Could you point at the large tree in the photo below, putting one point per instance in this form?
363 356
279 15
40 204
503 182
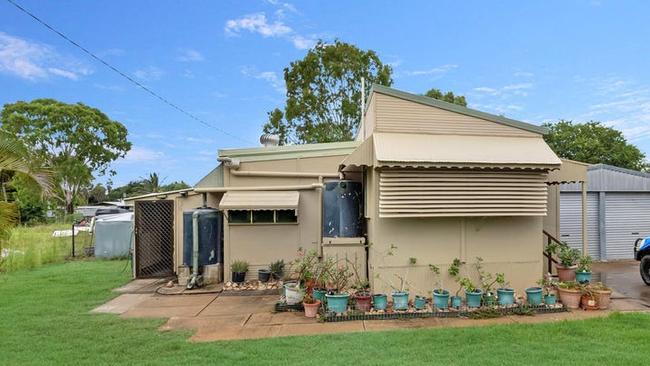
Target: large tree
449 97
324 93
592 142
76 141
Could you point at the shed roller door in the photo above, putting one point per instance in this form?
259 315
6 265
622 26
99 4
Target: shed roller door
627 218
571 222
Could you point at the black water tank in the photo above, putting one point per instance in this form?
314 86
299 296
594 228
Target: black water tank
210 236
342 209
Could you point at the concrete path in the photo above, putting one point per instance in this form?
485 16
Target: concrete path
213 317
624 278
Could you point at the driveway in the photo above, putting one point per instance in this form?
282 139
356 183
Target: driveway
624 278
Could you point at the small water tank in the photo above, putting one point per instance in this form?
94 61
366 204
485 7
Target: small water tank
342 209
210 236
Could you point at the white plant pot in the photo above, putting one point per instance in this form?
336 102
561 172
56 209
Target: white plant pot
293 293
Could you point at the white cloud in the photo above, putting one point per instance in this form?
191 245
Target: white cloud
149 73
270 77
199 140
523 74
436 71
519 89
257 23
34 61
143 154
190 55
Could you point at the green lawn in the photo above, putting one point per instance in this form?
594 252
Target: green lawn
44 319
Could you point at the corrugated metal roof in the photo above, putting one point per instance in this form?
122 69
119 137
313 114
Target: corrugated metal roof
291 151
213 179
159 194
260 200
412 150
609 178
456 108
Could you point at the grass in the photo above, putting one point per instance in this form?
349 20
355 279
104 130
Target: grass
44 319
33 246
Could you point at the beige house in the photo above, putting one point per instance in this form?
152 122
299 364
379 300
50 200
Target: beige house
439 182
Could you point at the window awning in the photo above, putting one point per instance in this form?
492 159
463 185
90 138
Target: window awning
260 200
453 151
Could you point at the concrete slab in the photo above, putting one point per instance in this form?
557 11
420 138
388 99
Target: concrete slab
162 312
240 305
232 333
140 285
212 323
320 328
177 300
121 304
379 325
624 278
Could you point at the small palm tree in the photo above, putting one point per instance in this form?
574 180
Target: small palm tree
14 157
151 184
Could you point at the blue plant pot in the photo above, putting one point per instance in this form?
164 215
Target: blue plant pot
506 296
456 302
318 294
420 302
400 300
473 299
583 277
337 303
380 302
440 299
550 299
534 295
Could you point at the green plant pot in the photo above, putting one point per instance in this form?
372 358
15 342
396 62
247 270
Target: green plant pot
337 303
319 294
420 302
489 299
440 299
534 295
583 277
550 299
400 300
380 302
506 296
456 302
473 299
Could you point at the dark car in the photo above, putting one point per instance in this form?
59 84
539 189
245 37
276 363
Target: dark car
642 254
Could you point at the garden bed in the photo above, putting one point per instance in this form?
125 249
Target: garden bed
451 313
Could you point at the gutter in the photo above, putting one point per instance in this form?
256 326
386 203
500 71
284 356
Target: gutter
300 187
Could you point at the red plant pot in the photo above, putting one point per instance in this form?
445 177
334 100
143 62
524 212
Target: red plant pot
566 273
363 302
311 309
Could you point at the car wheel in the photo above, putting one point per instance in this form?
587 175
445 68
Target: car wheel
645 269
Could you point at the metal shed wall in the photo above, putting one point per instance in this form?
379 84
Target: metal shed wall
627 218
571 222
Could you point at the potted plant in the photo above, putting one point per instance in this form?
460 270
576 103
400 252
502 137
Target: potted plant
321 278
588 297
400 295
239 269
603 295
583 272
547 287
440 295
505 294
304 267
454 273
472 294
361 288
379 301
420 302
337 299
534 296
311 306
566 270
277 269
569 294
487 282
264 274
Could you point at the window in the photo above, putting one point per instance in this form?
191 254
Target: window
286 216
239 216
262 217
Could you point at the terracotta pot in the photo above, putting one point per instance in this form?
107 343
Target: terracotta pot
602 299
566 273
570 298
588 302
363 301
309 284
311 309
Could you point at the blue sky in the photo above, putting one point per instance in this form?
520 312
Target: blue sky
533 61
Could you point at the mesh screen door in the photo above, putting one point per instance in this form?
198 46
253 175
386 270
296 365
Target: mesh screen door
154 238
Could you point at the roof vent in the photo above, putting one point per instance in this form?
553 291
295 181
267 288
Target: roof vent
268 139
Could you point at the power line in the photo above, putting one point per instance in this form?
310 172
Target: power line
122 74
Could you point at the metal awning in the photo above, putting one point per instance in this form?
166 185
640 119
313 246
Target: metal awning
260 200
452 151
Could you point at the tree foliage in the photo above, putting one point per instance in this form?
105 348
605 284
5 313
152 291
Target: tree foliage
449 97
150 184
594 143
76 141
324 93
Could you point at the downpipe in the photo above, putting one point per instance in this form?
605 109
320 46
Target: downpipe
196 280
